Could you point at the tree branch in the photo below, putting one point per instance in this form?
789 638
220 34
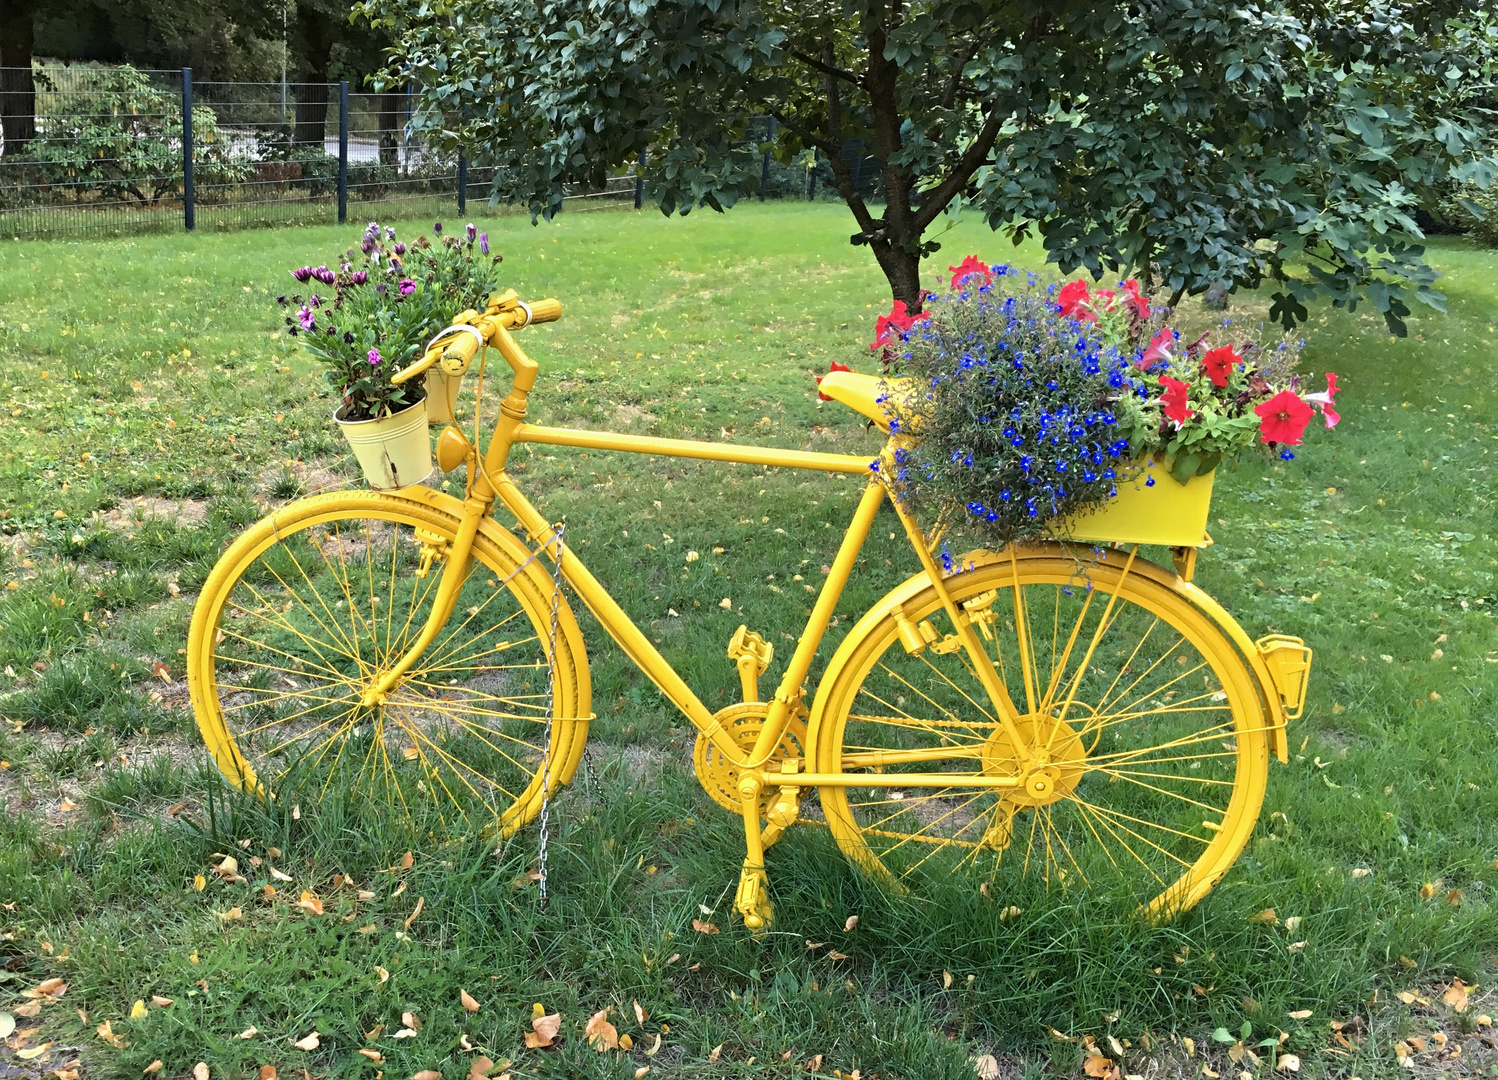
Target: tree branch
824 68
955 83
934 201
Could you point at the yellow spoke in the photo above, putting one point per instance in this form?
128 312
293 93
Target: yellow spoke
1115 719
1128 663
502 589
1182 777
281 720
1104 624
458 768
395 548
352 638
235 661
929 725
931 825
942 675
341 720
352 645
1050 822
273 696
475 728
1129 757
1107 703
1156 692
1059 669
1119 815
442 705
1163 791
1085 808
282 623
946 840
1022 634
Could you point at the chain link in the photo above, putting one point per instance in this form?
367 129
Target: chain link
551 682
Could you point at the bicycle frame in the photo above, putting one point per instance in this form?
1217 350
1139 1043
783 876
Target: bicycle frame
491 483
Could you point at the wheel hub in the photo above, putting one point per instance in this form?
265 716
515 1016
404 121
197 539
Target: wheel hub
1057 760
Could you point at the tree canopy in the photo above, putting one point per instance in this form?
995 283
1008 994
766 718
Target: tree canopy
1191 142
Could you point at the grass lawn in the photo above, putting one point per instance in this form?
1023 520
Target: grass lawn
153 407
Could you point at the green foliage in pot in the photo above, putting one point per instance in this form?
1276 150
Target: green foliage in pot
389 299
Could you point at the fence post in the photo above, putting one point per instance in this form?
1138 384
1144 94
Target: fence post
640 182
764 165
343 151
188 216
462 183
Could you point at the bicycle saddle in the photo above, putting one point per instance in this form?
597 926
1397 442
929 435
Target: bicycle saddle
864 394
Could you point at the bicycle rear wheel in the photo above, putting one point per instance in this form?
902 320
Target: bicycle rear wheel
1145 726
306 608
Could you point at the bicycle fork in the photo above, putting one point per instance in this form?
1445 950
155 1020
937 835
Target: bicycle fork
459 558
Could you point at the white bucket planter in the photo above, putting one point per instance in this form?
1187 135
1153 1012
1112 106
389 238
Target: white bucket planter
395 451
442 395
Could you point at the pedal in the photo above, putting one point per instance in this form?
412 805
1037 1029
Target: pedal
752 655
752 900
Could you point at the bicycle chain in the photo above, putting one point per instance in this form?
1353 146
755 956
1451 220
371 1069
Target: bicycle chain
551 679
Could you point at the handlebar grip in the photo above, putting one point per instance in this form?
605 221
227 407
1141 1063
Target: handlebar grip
459 354
548 310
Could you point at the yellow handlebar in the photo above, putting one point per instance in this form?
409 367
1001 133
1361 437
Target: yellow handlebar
456 347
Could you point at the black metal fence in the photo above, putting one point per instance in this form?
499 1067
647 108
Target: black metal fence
106 149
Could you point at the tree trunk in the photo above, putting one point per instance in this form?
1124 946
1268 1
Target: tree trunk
390 105
316 33
902 270
311 115
17 84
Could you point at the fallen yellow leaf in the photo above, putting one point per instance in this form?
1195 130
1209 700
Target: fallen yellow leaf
626 1042
310 1042
138 1011
1456 995
479 1068
373 1055
704 927
544 1028
200 1071
155 1067
308 902
715 1052
411 918
48 988
159 1001
640 1014
199 882
267 1072
987 1067
1097 1066
601 1034
427 1074
1299 1014
468 1002
851 922
1267 916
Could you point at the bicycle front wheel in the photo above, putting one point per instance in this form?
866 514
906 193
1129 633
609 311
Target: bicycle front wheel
308 607
1144 750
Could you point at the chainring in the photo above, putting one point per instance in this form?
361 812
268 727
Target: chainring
719 777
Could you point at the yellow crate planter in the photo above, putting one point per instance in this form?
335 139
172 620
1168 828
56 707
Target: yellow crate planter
1166 512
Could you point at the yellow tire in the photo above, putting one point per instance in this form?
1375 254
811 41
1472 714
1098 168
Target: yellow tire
1148 740
309 603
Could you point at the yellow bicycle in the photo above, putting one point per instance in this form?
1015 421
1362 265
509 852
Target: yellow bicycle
1091 719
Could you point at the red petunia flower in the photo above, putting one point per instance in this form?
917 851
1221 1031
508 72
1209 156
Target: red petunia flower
834 366
1074 299
1137 302
972 266
1173 401
897 321
1158 349
1324 400
1219 363
1283 418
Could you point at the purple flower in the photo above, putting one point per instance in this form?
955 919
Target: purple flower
379 288
389 232
359 277
307 319
302 273
314 301
374 357
367 245
437 228
348 337
484 242
400 249
407 286
470 231
324 275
